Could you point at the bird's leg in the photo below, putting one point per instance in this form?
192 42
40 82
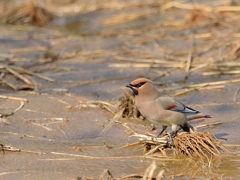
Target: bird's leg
187 126
169 141
178 130
163 129
190 126
172 134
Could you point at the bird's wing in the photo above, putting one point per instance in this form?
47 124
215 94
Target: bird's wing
170 104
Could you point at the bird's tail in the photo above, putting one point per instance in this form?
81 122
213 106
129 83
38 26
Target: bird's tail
198 116
207 116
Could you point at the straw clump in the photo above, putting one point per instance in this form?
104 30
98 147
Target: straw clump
25 13
201 144
194 144
127 106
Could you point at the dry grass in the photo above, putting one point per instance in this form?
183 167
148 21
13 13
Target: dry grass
18 78
201 144
194 144
25 13
141 48
149 174
127 106
148 47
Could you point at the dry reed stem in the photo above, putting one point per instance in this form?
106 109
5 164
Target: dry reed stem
123 18
13 98
28 49
8 84
115 119
18 75
60 100
130 176
20 107
215 83
95 104
232 145
187 90
213 73
205 7
97 52
106 171
103 105
94 157
42 126
190 58
12 149
130 145
184 91
131 59
145 65
149 172
25 135
126 108
211 124
4 121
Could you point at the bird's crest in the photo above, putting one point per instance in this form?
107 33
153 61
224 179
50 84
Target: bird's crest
139 82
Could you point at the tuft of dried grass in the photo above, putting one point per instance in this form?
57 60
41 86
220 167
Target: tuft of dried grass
194 144
126 108
25 13
201 144
127 105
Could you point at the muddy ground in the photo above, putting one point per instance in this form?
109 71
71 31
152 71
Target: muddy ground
94 53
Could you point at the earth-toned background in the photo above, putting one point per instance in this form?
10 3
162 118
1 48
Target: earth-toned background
60 61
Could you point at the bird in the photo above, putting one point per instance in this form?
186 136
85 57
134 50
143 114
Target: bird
162 109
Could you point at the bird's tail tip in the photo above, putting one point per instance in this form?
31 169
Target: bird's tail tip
208 116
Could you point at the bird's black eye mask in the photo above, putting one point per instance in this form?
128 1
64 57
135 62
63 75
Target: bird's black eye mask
138 85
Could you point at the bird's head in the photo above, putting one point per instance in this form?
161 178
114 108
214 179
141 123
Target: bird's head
139 84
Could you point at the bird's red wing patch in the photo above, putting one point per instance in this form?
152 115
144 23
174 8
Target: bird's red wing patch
171 107
198 116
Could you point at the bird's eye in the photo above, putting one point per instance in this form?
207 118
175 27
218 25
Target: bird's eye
139 84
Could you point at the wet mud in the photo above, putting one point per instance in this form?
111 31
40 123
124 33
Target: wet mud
91 56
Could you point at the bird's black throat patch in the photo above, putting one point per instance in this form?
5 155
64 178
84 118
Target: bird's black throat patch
132 88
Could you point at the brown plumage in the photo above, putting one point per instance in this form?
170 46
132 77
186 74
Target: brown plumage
161 109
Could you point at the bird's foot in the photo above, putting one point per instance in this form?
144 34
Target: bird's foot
163 129
169 142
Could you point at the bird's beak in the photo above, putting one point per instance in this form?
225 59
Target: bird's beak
132 88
